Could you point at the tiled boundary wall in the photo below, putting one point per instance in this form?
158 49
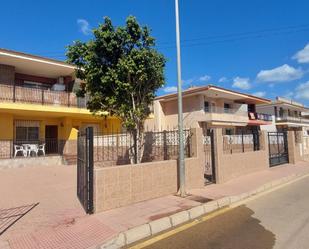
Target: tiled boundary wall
229 166
118 186
295 145
122 185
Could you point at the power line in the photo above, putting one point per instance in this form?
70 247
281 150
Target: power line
235 39
241 33
216 39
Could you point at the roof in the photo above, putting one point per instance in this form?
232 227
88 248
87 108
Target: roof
279 101
230 94
36 65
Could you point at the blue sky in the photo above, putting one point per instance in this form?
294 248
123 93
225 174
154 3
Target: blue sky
255 46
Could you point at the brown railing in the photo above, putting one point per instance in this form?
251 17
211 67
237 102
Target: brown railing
30 148
18 94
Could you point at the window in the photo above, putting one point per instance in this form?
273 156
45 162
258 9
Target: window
251 107
227 107
228 131
206 106
27 130
37 85
96 128
27 133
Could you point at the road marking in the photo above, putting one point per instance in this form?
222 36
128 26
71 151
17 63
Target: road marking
180 228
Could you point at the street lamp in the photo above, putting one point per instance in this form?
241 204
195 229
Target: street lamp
181 162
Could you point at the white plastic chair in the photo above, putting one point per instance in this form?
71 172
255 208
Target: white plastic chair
19 148
32 148
42 148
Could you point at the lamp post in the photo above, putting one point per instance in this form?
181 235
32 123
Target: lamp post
181 162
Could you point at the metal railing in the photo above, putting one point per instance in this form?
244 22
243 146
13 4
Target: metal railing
30 148
19 94
260 116
116 149
287 118
240 143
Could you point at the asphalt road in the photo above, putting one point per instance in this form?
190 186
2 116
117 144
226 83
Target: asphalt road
277 220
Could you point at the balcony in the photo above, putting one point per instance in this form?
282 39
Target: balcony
221 114
260 116
291 119
18 94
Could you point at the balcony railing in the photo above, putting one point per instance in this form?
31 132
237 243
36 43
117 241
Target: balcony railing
30 148
292 119
18 94
217 109
260 116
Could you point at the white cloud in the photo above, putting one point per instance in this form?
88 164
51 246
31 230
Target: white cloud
241 83
302 91
204 78
280 74
188 81
222 79
259 94
170 89
84 26
302 56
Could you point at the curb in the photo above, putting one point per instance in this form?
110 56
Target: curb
154 227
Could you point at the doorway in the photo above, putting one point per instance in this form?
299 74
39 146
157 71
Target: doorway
51 139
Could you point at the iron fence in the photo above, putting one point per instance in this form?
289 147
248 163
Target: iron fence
240 143
85 166
29 148
116 149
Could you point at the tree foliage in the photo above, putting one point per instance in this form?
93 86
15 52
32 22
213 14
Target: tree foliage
122 71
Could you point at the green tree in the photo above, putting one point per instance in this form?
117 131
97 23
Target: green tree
122 71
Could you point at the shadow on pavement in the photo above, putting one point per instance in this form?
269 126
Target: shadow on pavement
9 216
235 229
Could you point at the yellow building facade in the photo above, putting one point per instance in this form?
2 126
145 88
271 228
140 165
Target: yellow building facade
38 104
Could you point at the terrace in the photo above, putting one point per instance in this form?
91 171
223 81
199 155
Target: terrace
26 95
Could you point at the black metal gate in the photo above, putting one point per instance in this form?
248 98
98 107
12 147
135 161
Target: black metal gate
278 148
85 169
210 170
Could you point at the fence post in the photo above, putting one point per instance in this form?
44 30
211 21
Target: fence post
242 140
42 96
68 99
89 142
165 157
14 92
256 140
218 153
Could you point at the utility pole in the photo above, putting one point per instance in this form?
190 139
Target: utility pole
181 161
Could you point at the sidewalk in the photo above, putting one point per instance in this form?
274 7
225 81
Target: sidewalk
90 231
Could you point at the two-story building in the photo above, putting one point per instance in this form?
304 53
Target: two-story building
287 115
38 106
211 106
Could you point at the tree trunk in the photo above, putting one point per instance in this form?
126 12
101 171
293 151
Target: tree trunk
137 144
